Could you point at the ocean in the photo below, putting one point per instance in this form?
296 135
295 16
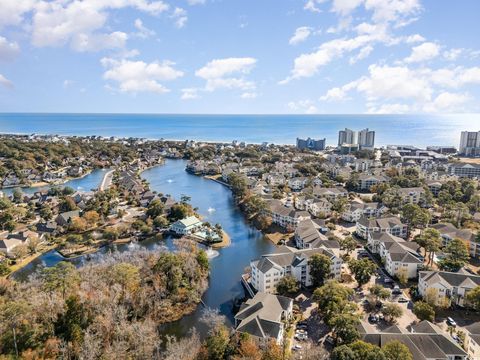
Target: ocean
418 130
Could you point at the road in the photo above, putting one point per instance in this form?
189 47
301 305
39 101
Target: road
106 181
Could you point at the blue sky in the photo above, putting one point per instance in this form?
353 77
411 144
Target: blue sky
240 56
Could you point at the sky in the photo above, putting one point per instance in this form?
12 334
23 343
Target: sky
240 56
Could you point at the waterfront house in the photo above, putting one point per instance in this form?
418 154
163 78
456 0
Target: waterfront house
286 217
447 286
310 235
389 224
186 226
270 268
264 316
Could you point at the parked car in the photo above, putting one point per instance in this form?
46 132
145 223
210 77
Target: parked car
402 300
373 318
301 327
451 322
396 290
329 340
301 337
296 347
387 280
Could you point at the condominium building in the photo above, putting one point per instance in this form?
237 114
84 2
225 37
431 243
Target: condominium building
468 170
366 139
346 136
469 143
311 144
270 268
390 225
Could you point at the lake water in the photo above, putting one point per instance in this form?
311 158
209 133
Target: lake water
215 203
85 183
419 130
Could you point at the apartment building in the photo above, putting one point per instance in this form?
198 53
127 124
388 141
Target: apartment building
390 224
355 210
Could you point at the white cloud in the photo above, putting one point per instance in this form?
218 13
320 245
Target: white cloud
249 95
228 73
398 12
80 24
334 94
388 109
138 76
448 102
190 93
301 34
143 32
221 67
312 5
411 39
5 82
423 52
307 65
67 83
362 54
196 2
180 17
345 7
8 50
453 54
303 106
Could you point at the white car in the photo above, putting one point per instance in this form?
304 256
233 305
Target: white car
296 347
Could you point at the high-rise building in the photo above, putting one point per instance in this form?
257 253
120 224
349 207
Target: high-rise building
311 144
366 139
346 136
470 143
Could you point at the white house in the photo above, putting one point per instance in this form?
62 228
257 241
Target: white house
447 286
355 210
449 232
263 317
284 216
297 183
366 181
270 268
390 224
399 256
318 208
186 226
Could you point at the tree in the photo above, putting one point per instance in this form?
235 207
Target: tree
348 244
126 275
362 269
287 285
392 311
473 298
343 352
457 255
20 251
67 204
217 343
344 327
402 276
78 224
332 299
155 208
62 276
379 292
17 195
395 350
12 315
424 311
414 215
92 218
202 259
160 222
319 268
366 351
431 241
70 325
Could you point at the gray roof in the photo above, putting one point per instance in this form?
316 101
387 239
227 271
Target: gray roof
457 279
262 315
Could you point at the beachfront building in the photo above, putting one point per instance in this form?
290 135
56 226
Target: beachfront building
366 139
390 225
446 286
469 143
270 268
186 226
264 316
311 144
346 136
